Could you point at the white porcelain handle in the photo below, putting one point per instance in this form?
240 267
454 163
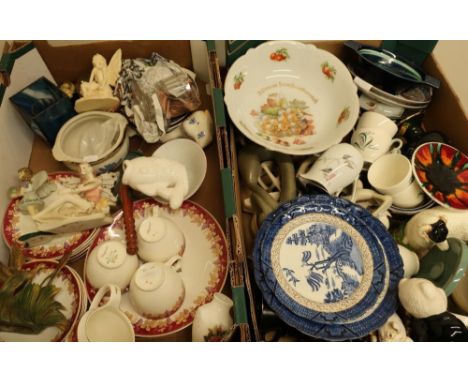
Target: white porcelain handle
398 145
114 298
174 262
305 166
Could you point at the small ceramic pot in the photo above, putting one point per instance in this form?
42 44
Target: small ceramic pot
109 263
213 321
335 169
373 136
106 323
157 290
391 174
159 239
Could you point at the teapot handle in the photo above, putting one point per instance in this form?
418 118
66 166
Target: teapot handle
114 298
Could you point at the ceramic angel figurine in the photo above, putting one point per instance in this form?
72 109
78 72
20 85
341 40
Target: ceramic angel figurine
393 330
97 93
157 177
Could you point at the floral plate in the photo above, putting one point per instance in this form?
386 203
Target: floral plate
291 97
442 172
70 296
204 264
16 224
322 263
371 319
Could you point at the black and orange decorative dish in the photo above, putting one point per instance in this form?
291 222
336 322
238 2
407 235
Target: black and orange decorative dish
442 172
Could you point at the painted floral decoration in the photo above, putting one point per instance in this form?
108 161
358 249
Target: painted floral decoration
328 70
215 334
279 118
238 80
442 171
344 115
279 55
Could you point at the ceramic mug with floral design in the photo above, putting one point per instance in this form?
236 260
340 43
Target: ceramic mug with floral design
157 290
373 136
335 169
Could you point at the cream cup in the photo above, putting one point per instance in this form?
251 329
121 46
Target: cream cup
157 290
159 239
106 323
392 175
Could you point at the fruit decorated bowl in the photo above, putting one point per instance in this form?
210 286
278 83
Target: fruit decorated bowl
291 97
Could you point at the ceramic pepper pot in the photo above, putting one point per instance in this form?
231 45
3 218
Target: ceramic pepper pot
213 320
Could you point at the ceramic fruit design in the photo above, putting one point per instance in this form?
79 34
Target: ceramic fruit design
279 55
328 70
279 117
238 80
344 115
442 172
331 263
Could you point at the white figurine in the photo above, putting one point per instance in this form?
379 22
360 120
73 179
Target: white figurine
97 94
393 330
157 177
410 261
199 127
433 226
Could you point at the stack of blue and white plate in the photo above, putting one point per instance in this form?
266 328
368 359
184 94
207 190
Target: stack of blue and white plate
327 267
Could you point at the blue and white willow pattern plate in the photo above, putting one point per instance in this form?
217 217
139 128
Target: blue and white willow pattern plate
341 329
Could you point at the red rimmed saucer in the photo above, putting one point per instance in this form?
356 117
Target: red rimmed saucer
204 264
442 173
16 224
69 296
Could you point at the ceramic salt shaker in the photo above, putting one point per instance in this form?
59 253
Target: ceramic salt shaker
213 320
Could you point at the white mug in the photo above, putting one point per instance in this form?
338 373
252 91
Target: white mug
157 290
373 136
159 239
106 323
335 169
392 175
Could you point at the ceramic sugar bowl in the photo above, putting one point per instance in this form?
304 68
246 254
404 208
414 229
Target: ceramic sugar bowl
159 239
109 263
156 290
213 321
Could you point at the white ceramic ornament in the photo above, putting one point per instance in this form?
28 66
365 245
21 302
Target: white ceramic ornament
157 177
213 320
393 330
420 226
410 261
421 298
199 127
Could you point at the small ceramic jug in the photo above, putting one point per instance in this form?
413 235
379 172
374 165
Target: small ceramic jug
157 290
213 321
106 323
335 169
109 263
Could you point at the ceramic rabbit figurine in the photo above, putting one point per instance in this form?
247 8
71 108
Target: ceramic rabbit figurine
433 226
157 177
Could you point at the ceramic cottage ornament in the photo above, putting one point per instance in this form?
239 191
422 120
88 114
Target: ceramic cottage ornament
97 93
427 304
199 127
157 177
433 226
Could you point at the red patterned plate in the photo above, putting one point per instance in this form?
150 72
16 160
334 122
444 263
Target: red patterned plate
16 224
204 264
69 296
442 172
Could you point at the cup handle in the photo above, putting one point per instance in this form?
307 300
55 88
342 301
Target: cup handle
174 262
305 165
399 144
114 298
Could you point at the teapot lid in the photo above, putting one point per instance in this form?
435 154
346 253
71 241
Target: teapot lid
150 276
111 254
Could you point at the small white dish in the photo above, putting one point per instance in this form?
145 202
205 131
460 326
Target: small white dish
109 263
191 156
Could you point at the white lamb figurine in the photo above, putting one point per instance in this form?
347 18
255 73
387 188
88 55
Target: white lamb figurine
432 227
157 177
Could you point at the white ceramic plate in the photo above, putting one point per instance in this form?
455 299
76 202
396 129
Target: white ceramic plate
291 97
204 264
